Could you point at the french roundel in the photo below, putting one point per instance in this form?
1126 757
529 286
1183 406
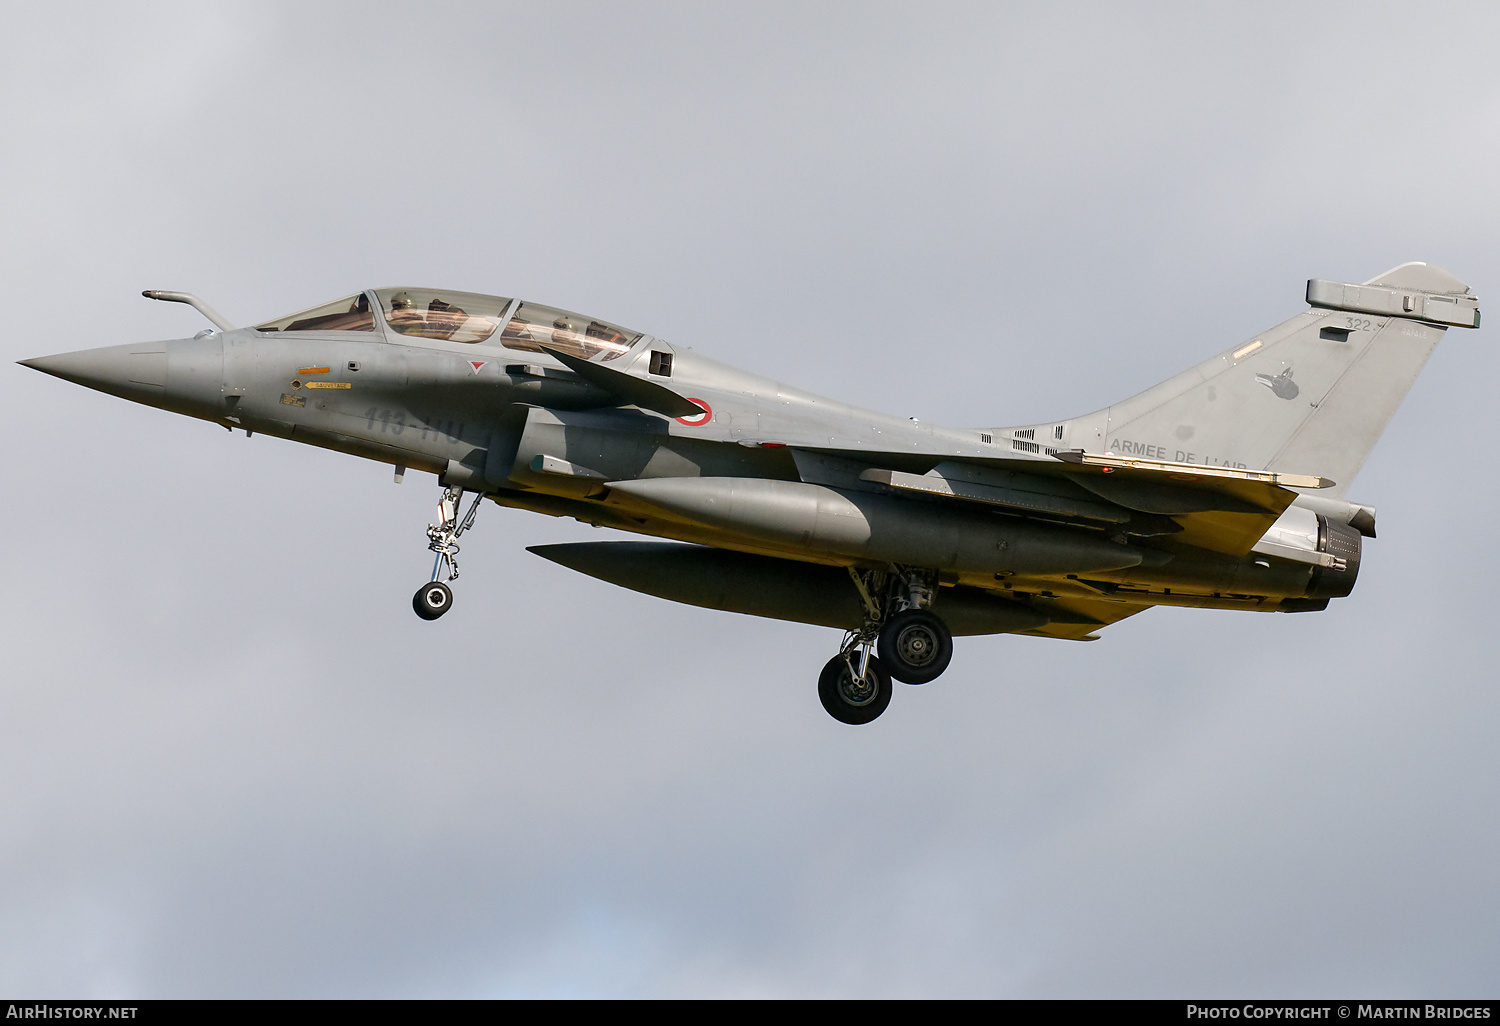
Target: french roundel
700 419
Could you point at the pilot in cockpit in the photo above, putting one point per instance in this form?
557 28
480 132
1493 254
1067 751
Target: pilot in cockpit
404 313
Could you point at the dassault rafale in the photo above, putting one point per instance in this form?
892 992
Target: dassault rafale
1222 487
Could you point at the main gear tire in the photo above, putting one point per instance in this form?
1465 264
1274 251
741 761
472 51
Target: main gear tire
432 600
854 701
915 646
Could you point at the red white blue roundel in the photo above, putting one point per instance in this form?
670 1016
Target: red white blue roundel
698 420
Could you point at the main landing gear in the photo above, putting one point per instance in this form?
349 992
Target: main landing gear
915 646
854 686
435 598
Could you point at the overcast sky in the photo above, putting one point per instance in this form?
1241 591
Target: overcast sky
233 763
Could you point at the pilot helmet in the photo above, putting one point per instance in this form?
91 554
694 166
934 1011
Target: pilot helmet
401 301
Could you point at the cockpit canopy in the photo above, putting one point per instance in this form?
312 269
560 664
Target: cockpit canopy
467 317
450 316
349 314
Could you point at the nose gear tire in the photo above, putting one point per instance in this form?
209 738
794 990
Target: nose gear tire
915 646
851 701
432 600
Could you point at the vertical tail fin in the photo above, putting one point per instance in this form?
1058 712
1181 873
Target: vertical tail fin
1310 396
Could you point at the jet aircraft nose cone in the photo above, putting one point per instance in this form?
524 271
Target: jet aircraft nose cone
136 372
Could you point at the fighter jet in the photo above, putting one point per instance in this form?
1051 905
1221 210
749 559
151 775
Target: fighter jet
1222 487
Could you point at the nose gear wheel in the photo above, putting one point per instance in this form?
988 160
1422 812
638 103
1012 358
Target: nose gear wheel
432 600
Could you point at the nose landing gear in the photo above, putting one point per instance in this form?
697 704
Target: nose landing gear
915 645
435 598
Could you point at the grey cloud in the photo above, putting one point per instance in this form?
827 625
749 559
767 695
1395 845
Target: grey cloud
232 762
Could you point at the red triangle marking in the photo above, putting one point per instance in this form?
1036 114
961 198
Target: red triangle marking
476 364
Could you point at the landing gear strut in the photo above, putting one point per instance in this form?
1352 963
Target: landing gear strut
915 645
435 598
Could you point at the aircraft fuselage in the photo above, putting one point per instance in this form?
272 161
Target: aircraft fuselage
531 433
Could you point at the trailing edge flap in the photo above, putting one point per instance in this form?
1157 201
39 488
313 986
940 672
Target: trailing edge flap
648 395
1223 509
